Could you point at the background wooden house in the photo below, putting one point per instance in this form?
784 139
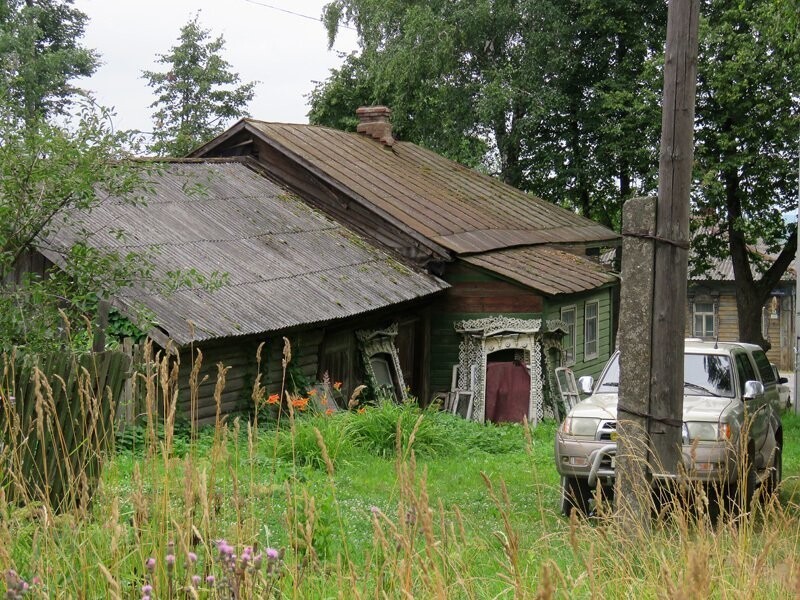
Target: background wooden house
711 311
381 261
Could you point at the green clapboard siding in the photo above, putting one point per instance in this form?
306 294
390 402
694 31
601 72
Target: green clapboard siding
591 366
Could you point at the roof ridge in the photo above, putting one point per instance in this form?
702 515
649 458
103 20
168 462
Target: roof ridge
189 160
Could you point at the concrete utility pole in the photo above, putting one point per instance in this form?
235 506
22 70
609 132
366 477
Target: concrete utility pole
654 279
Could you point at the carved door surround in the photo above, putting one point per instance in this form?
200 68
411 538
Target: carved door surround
482 337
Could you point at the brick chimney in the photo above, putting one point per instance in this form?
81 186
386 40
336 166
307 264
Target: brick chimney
374 122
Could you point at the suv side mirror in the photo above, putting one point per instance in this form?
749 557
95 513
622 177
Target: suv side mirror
586 383
753 389
783 380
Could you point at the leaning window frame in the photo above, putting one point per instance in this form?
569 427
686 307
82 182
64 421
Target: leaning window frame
589 355
571 360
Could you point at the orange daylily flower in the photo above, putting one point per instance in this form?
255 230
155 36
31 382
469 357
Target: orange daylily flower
337 385
312 392
273 399
362 410
300 403
329 412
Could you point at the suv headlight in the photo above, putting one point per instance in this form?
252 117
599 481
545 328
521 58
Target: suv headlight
704 431
580 427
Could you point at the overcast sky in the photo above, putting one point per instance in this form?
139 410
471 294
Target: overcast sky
285 52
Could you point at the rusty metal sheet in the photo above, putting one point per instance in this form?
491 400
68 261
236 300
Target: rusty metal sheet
287 264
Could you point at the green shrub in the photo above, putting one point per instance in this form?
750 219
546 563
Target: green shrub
375 429
306 450
133 438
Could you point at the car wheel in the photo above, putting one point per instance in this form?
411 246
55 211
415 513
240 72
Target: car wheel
575 493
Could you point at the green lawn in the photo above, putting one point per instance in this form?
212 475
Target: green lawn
471 514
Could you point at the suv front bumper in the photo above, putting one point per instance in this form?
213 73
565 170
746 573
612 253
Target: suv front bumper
712 462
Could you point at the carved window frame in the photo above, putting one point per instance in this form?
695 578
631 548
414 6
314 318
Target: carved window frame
587 353
373 342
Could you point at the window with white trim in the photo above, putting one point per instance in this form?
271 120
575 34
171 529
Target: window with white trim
704 318
569 343
590 330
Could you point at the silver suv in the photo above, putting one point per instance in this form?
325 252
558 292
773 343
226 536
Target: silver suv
723 382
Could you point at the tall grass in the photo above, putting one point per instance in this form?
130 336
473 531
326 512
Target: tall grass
389 502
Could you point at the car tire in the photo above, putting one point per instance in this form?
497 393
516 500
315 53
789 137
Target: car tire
575 493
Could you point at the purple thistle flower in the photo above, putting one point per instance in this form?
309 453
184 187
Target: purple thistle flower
210 580
191 557
150 564
257 560
224 548
170 560
195 580
147 589
272 554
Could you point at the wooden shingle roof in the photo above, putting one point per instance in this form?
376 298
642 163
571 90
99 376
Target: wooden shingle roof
287 264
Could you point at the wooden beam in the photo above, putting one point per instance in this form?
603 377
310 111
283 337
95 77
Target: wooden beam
672 231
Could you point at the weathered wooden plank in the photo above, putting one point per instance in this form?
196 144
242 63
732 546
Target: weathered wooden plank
672 223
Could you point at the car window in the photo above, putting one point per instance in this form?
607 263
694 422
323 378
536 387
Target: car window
704 374
764 368
707 375
745 369
609 384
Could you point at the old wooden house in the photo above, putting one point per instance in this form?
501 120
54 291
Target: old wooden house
291 272
519 293
381 261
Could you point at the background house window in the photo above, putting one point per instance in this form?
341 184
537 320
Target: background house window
590 330
704 321
568 314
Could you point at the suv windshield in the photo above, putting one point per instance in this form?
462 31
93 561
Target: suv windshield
703 374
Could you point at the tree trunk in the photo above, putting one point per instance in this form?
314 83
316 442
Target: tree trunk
751 295
749 307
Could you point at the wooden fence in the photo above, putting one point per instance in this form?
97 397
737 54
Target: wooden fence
57 422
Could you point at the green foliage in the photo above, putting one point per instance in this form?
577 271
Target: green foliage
40 55
562 99
52 174
134 438
557 98
302 448
376 428
198 93
746 152
490 438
